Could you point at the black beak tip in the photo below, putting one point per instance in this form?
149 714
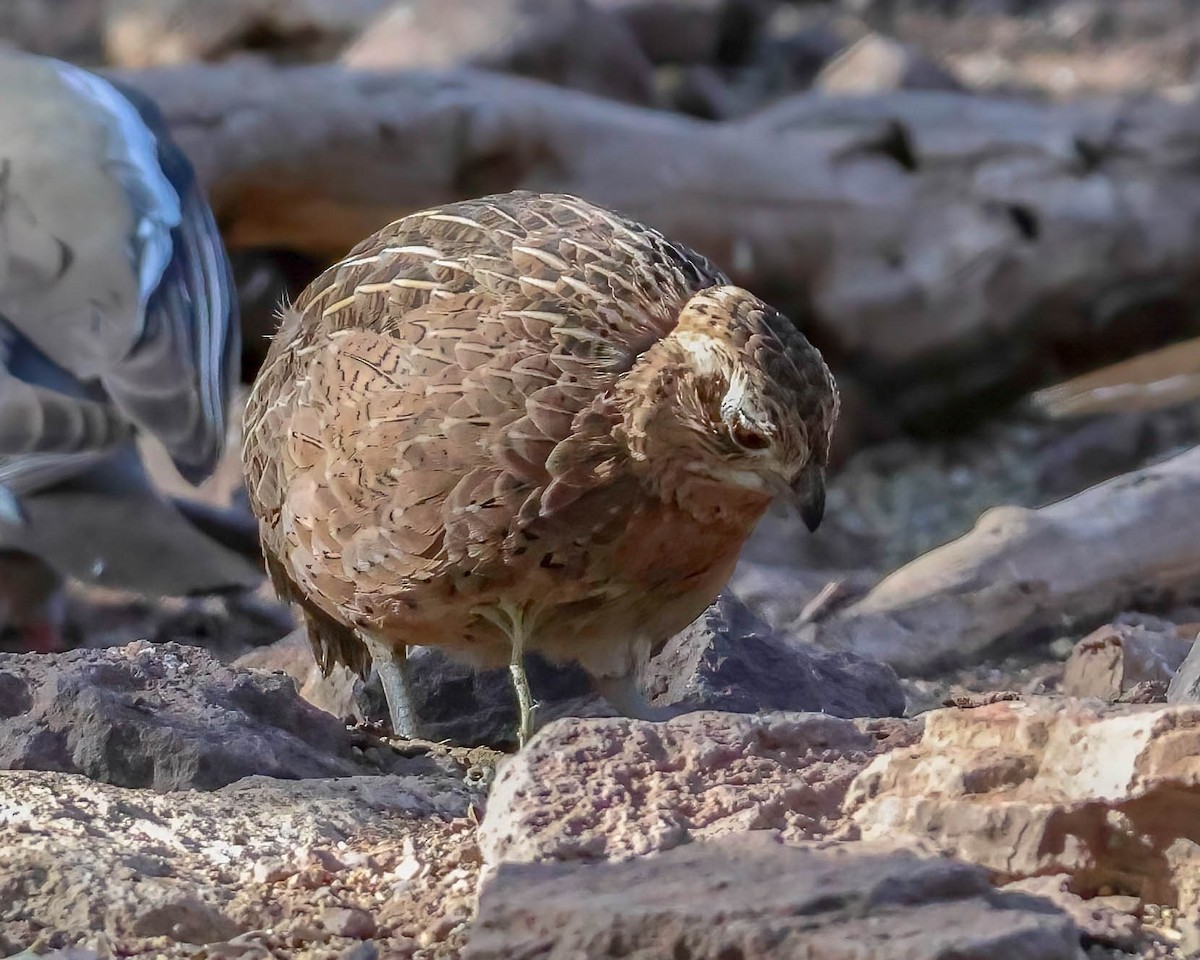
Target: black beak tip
812 513
812 502
808 493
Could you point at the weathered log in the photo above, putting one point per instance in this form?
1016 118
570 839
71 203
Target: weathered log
940 245
1150 381
1130 542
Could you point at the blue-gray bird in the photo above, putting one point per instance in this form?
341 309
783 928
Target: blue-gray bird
117 315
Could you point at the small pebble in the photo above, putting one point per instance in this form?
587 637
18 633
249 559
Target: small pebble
408 868
271 871
348 922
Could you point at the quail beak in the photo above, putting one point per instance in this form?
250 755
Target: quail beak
809 491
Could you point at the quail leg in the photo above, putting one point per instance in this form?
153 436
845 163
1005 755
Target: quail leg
525 705
512 620
392 666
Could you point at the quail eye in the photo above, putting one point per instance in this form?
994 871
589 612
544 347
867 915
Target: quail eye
748 438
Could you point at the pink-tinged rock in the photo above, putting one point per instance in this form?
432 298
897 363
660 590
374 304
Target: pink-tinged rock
1109 795
615 788
1114 659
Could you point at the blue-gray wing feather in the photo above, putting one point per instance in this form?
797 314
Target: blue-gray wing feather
191 330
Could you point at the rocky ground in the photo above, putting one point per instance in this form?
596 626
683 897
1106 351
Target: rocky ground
1032 800
959 722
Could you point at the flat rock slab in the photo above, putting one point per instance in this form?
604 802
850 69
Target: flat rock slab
247 869
842 902
616 788
1107 795
164 716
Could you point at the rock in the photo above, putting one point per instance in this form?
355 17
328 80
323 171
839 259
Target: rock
569 43
291 655
752 898
1104 794
348 922
1185 685
145 33
759 63
731 660
184 918
616 788
68 29
466 706
1109 920
693 31
1116 658
876 64
163 716
85 860
727 660
455 702
798 41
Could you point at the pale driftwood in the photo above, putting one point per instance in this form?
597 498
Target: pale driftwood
1027 573
939 245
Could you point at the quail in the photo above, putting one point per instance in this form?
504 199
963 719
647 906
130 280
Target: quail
524 423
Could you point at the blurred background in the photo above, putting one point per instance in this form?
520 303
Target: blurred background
985 212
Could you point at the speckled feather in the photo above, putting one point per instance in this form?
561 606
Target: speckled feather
445 420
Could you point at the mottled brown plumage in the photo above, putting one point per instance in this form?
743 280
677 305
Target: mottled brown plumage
524 423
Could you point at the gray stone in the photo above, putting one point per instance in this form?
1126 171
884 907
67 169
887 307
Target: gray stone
731 660
164 716
694 31
750 897
1185 686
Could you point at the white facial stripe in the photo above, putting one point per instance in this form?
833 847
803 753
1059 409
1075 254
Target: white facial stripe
735 397
706 352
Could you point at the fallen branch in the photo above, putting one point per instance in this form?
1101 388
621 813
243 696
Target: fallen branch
939 245
1127 543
